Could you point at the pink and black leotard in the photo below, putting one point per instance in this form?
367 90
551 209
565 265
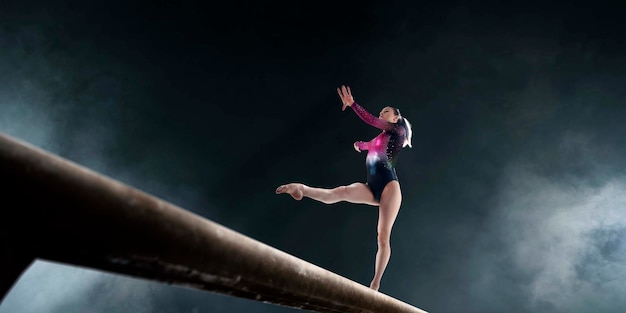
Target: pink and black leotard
382 152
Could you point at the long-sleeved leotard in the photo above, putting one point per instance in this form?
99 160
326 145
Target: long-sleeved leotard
382 151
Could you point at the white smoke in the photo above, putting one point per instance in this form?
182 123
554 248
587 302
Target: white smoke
566 238
50 287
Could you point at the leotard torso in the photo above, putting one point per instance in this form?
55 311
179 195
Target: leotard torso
382 151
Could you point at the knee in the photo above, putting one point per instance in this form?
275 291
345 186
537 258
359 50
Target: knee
384 238
342 192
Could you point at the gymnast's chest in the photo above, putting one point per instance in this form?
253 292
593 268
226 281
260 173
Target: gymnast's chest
380 142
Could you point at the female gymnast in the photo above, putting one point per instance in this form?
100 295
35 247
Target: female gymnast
382 188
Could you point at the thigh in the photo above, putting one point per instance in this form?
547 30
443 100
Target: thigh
360 193
390 202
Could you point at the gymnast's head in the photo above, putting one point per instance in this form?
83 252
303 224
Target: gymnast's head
392 115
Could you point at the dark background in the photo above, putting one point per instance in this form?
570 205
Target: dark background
514 194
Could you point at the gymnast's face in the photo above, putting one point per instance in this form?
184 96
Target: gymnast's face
388 114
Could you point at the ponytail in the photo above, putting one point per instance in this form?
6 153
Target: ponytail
408 131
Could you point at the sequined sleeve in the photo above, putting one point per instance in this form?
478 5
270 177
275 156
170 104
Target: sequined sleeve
368 118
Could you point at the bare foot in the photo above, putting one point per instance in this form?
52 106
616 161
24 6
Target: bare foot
293 189
374 286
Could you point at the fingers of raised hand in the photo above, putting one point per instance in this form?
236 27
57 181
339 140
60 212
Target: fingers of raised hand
346 96
344 90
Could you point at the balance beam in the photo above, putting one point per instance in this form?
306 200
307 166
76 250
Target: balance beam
63 212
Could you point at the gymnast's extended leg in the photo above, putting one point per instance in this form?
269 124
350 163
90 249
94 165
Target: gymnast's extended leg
354 193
